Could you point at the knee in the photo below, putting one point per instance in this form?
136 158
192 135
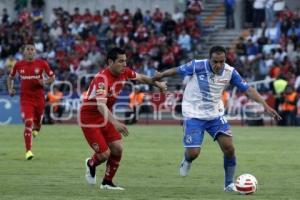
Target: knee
102 157
117 150
192 154
228 150
28 123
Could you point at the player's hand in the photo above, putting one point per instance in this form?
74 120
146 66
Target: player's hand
161 85
273 113
12 92
157 77
42 83
121 128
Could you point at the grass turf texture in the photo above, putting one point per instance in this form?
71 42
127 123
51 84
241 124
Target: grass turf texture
149 169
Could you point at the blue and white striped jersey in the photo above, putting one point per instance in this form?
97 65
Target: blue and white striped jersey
202 96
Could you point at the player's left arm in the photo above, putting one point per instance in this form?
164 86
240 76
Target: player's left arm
148 80
50 74
252 93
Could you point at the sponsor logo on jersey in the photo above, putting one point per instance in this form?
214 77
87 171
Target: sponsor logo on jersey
222 81
29 77
36 71
22 71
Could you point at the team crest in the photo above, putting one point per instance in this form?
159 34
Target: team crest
36 71
101 88
22 71
188 139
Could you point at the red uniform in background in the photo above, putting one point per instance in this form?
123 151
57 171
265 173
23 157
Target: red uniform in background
32 97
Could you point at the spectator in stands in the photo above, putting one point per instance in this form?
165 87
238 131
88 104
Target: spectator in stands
278 87
229 12
157 18
288 107
20 5
39 4
53 105
138 17
136 99
177 15
269 12
5 17
168 24
184 40
258 13
241 49
252 50
37 17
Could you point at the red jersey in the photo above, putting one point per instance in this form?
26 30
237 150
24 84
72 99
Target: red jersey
106 87
30 73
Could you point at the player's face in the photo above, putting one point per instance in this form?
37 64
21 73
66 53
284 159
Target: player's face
118 65
29 52
217 62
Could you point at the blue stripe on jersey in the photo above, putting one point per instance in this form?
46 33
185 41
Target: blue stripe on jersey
237 81
186 69
202 77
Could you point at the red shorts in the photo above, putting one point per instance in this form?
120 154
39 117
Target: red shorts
34 111
99 137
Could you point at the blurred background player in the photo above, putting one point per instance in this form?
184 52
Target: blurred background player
100 128
32 97
203 109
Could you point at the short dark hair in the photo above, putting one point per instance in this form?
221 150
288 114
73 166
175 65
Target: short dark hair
27 44
114 52
217 49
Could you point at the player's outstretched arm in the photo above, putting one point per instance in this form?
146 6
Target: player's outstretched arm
48 81
148 80
103 109
10 86
253 94
160 75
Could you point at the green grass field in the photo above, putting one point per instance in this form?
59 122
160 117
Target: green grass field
149 169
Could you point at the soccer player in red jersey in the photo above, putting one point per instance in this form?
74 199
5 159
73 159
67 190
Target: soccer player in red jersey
32 97
100 128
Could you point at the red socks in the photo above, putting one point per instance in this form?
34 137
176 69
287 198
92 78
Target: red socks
27 134
112 166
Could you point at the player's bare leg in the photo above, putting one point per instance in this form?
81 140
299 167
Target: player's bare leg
226 145
28 138
92 163
112 165
189 155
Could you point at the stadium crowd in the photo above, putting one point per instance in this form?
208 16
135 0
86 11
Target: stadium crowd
76 43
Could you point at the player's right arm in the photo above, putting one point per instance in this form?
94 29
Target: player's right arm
186 69
98 90
10 80
103 109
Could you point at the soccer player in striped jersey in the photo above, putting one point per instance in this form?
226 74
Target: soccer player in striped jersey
203 109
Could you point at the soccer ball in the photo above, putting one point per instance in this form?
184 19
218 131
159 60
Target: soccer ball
246 184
